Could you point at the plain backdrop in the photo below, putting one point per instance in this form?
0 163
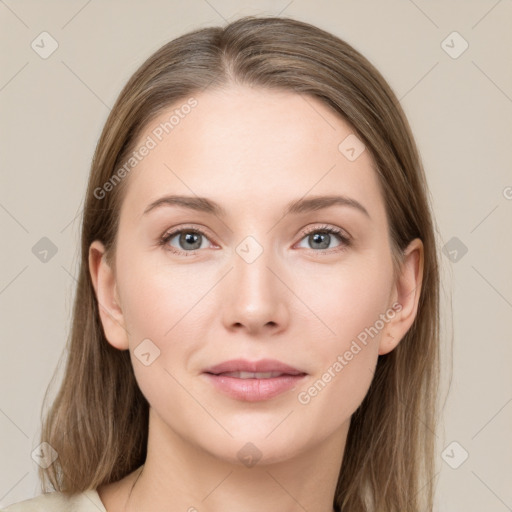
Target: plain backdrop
449 63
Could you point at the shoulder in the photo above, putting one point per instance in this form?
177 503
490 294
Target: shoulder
88 501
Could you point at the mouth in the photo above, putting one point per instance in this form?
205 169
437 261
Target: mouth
253 381
252 375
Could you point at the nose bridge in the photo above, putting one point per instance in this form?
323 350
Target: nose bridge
256 295
252 260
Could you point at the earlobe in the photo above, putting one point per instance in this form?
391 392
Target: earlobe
407 293
105 287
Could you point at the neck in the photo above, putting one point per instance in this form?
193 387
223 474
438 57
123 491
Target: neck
178 475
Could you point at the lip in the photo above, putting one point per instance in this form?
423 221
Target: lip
253 390
263 365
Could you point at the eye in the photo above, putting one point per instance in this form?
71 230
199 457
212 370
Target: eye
320 237
188 241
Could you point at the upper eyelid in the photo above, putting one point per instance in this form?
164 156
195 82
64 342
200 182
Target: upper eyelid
175 231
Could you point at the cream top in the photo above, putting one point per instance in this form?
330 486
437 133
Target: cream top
88 501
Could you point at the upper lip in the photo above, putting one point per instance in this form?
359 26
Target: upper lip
263 365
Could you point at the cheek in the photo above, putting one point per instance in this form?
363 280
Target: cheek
157 297
352 305
346 299
165 304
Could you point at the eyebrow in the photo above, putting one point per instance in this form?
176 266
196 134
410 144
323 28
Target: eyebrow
298 206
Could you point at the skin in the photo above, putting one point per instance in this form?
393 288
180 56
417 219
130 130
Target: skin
252 151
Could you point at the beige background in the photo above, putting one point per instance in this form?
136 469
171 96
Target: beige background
460 110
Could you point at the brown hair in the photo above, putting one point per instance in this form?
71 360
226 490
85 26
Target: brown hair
98 422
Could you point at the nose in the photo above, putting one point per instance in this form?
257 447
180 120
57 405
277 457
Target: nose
256 294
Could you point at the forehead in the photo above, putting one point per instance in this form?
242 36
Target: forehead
251 146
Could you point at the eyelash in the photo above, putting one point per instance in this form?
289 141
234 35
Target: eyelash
345 241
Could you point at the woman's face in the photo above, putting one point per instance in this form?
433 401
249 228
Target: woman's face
252 280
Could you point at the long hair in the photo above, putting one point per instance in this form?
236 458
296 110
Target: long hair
98 422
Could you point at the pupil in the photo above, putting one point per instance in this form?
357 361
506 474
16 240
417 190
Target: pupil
188 238
321 238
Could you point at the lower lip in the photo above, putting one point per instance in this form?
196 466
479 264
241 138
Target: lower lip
254 390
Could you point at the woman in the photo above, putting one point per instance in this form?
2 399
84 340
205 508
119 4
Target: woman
256 323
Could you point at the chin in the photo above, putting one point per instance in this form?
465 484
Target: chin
249 453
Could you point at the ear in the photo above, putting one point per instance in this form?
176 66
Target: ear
104 282
406 295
